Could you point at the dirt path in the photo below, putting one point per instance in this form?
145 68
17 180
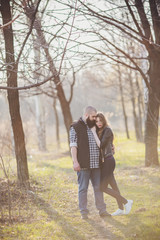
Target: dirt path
104 228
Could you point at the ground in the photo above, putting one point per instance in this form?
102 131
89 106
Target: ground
49 209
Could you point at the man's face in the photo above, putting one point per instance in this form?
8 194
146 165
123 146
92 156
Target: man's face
92 116
90 119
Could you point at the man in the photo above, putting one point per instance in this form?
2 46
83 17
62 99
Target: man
86 161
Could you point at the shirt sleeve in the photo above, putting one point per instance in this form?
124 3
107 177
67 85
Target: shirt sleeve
73 137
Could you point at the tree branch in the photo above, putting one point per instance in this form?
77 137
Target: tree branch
27 87
111 20
144 20
30 30
155 20
65 48
134 19
9 23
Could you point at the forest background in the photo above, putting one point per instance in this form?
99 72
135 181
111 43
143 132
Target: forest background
58 57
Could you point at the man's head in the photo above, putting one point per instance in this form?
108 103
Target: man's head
89 116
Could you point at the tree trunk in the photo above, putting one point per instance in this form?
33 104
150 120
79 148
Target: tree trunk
40 111
140 109
40 123
122 101
135 117
65 106
57 122
13 98
151 134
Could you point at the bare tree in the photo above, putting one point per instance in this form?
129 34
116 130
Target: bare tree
30 8
13 96
144 29
65 106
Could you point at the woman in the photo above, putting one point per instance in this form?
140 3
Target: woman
104 140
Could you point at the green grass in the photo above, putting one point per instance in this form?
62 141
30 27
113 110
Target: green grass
51 210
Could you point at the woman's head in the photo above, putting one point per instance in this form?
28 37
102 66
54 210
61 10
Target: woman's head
101 122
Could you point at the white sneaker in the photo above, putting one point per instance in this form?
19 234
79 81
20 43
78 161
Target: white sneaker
128 206
118 212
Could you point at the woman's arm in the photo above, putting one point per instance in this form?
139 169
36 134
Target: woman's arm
96 136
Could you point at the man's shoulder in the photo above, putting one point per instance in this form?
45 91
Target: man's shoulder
74 123
78 125
77 122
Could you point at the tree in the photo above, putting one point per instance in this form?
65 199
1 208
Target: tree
144 29
13 96
65 105
25 48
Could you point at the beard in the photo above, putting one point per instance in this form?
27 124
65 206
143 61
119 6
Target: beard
90 123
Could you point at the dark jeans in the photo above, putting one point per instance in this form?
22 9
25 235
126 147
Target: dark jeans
114 191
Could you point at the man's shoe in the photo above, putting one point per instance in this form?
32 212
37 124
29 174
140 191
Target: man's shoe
105 214
128 206
84 216
118 212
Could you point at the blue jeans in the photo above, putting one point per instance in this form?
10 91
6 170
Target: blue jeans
83 181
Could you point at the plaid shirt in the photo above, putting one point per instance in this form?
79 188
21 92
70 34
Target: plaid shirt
93 148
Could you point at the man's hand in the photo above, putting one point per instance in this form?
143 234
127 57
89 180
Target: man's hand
76 166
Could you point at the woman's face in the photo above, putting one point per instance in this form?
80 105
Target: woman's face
99 123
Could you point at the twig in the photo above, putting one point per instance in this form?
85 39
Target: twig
9 23
75 8
30 30
26 87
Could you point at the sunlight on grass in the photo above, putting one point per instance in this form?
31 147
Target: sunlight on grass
53 207
128 152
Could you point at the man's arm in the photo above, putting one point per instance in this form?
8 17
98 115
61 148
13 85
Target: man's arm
73 146
76 165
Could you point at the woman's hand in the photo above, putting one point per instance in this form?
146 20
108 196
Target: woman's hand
113 149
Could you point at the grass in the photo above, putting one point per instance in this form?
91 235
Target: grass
50 210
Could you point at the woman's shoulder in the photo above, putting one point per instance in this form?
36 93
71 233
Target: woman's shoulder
107 131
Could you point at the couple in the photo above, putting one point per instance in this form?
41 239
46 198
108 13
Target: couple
92 153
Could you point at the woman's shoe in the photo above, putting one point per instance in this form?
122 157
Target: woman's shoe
118 212
128 206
